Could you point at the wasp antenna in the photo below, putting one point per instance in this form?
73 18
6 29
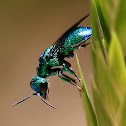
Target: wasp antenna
24 99
38 94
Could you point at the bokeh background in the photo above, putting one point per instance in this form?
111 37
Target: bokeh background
27 29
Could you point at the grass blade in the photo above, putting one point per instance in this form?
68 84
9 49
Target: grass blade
120 25
122 113
90 115
103 24
103 116
105 84
117 64
97 43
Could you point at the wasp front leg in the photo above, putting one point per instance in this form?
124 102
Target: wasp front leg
68 79
66 67
64 77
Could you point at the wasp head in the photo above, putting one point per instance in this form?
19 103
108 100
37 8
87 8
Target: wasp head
39 85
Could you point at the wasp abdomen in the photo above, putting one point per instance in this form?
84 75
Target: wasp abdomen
79 35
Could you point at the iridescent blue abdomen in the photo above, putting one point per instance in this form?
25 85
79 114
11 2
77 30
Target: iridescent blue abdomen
79 35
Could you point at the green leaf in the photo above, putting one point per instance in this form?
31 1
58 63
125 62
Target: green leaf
103 115
109 3
122 112
106 46
90 115
120 25
105 28
81 76
93 54
117 64
96 40
105 84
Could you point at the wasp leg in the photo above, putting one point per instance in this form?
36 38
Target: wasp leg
68 79
66 68
66 63
65 77
54 71
83 45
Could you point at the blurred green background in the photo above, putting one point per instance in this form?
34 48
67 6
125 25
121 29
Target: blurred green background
27 29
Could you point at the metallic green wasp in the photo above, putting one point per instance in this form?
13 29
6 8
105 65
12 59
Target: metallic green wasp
53 57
